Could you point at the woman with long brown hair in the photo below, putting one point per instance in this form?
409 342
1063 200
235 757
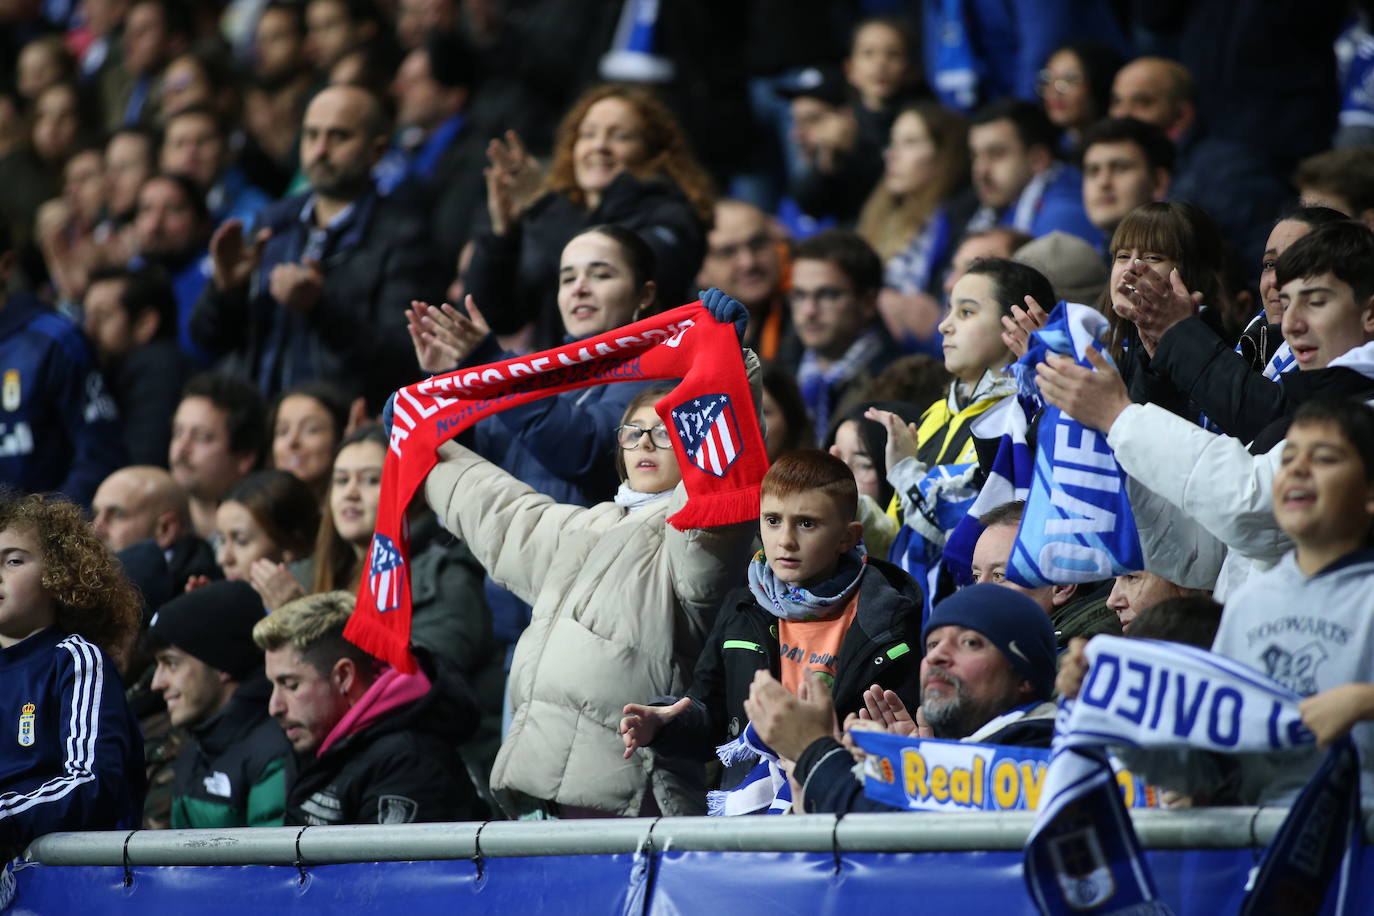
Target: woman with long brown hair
619 157
1163 237
925 163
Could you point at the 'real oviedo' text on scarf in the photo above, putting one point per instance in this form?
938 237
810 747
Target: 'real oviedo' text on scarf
710 415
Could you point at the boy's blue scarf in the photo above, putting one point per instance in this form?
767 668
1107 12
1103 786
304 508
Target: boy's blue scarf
792 602
1082 855
764 790
1078 525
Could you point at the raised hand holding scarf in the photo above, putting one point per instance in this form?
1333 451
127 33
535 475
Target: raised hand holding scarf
1078 525
710 415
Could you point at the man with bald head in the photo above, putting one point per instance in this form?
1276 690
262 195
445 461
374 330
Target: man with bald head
317 288
140 503
744 259
144 508
1161 92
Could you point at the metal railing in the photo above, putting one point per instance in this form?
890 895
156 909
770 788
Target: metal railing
1203 828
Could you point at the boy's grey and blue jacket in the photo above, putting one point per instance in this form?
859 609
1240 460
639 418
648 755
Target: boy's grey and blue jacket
1309 633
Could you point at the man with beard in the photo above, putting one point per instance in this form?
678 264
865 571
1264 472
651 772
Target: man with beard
374 745
130 320
987 677
276 96
438 150
170 227
318 289
218 434
833 302
1016 177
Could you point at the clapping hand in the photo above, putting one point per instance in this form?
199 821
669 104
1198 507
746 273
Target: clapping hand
442 335
233 262
274 583
901 436
1017 329
1156 303
1094 397
513 179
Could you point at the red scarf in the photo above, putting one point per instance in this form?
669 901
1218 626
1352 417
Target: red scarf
710 415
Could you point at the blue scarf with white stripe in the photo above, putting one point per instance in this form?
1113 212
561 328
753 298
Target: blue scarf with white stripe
1082 855
1078 525
764 789
1009 478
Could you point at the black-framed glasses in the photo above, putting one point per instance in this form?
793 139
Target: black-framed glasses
829 297
628 436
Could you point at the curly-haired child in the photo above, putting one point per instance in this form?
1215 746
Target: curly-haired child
68 618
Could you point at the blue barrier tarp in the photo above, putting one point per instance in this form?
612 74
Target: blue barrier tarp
1201 882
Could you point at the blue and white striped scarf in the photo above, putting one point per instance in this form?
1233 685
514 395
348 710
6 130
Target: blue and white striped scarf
911 269
1008 479
1082 855
935 500
818 383
764 789
1078 525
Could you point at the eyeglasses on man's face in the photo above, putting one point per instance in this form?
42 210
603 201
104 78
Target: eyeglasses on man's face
827 297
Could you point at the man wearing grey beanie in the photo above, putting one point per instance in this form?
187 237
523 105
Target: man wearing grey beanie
987 677
234 769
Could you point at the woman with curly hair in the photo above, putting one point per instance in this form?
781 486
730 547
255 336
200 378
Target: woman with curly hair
68 617
619 157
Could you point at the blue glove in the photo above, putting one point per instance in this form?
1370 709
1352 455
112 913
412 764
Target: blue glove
726 309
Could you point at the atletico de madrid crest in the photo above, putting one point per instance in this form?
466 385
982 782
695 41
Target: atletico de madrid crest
26 724
709 434
386 573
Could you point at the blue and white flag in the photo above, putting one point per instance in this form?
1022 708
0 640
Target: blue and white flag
1082 855
953 67
934 507
1008 479
1078 525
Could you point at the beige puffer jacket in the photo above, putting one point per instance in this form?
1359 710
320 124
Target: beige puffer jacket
622 602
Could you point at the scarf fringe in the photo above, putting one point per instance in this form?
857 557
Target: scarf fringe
712 510
377 640
737 751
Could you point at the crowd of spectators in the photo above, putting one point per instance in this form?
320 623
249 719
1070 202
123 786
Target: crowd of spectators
231 229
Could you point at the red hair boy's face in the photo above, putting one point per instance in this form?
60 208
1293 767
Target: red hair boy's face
804 535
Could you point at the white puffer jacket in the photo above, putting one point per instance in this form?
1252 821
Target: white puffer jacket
622 602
